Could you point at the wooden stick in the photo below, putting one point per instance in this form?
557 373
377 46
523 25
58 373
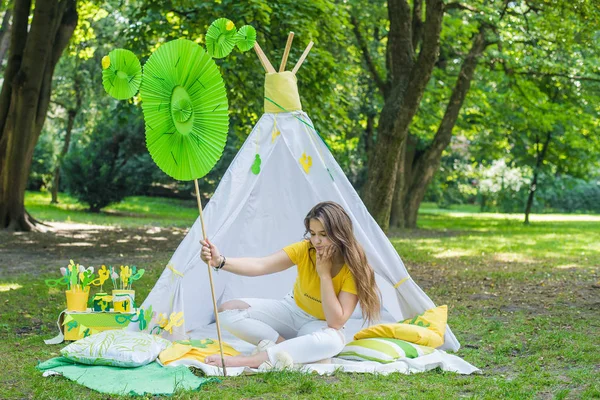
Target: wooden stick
302 58
263 58
286 52
212 287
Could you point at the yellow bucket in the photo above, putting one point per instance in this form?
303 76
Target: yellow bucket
123 300
77 300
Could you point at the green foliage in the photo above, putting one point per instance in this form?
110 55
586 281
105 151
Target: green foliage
500 187
525 87
42 165
327 80
111 165
568 194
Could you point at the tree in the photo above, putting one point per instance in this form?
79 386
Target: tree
5 34
424 164
478 23
34 51
417 162
541 93
411 53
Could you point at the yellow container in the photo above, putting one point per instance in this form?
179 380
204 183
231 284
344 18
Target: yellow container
102 302
77 300
123 300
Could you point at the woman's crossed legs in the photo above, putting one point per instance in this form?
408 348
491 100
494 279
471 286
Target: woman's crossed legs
305 338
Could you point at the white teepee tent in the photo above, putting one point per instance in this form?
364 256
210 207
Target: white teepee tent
254 215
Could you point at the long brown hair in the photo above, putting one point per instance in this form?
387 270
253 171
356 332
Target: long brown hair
338 227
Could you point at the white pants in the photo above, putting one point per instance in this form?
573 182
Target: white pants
308 339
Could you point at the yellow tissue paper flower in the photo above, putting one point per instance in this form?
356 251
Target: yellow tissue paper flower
105 62
230 25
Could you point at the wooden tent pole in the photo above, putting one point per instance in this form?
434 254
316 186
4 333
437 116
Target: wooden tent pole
302 58
286 52
212 287
263 58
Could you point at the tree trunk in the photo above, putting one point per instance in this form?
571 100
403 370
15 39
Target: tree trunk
428 162
536 171
5 34
25 97
404 173
397 212
409 79
369 134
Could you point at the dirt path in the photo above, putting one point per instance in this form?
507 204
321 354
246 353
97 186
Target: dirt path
37 253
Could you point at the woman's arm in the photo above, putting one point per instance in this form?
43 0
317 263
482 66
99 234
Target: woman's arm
337 309
255 266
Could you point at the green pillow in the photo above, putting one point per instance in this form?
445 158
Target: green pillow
382 350
117 348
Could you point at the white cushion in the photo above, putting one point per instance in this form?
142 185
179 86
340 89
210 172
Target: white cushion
118 348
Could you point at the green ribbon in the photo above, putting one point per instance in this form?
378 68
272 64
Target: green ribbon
303 121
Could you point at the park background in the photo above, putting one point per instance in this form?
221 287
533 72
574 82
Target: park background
470 129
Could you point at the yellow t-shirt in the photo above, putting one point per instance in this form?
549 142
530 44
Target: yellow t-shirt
307 289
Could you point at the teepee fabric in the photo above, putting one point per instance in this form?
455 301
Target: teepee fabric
256 214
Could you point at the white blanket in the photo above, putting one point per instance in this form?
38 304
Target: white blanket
438 358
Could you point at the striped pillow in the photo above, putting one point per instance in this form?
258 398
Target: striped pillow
382 350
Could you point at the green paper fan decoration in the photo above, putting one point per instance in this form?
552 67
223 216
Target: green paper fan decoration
246 37
185 109
221 38
121 74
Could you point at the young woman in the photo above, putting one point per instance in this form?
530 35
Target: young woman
307 325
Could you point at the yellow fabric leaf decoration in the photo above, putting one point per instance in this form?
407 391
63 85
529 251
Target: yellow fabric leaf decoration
306 162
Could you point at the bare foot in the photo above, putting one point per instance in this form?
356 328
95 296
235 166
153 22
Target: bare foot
238 361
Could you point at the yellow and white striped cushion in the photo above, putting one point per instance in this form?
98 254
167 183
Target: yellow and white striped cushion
382 350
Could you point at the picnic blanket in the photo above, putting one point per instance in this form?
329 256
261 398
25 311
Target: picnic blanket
150 379
437 359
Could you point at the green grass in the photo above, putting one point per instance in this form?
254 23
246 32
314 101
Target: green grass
135 211
520 299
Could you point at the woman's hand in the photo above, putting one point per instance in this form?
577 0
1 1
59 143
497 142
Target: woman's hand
325 260
210 253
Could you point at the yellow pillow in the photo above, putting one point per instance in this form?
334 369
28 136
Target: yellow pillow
426 329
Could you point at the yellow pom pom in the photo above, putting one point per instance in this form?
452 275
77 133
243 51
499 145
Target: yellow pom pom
230 25
105 62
